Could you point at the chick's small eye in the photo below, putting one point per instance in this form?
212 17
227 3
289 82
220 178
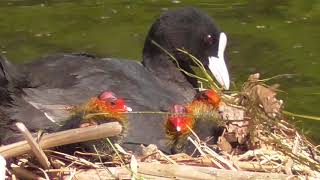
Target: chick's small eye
209 39
113 103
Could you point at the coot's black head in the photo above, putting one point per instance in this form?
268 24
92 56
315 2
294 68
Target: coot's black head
189 29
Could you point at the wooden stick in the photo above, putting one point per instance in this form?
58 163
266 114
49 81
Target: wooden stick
171 171
243 165
64 137
23 173
38 152
3 164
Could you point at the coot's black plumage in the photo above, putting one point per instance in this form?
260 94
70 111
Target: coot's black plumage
37 96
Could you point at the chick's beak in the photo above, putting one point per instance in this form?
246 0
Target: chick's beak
127 108
218 66
177 121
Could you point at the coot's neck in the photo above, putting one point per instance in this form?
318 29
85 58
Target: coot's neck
164 68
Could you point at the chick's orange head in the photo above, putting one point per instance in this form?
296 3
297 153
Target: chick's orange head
208 96
180 119
106 106
118 105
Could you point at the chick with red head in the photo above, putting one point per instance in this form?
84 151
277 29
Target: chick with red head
200 116
104 108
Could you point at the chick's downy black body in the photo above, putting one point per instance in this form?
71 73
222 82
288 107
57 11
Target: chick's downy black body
53 82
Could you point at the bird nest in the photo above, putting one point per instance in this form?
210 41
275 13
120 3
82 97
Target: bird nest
258 142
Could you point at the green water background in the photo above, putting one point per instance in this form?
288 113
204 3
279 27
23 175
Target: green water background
271 37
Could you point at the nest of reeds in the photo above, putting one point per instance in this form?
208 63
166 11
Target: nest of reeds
259 134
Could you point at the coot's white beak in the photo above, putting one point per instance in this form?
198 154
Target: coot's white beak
218 66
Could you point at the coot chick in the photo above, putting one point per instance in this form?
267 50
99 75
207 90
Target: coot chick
200 116
104 108
55 81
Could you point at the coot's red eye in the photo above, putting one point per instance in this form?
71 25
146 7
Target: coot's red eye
209 39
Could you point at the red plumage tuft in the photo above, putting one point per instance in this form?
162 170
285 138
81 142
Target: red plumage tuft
113 109
178 121
120 105
209 97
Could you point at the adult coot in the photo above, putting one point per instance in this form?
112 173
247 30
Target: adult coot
37 96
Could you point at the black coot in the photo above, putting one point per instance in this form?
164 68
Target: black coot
37 96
